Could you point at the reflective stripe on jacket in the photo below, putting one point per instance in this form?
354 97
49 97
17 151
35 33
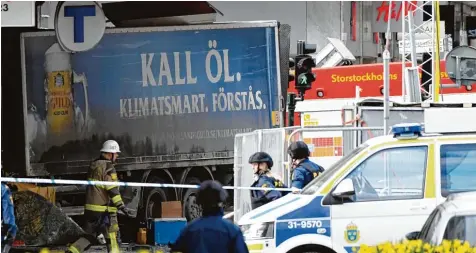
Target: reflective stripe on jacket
102 198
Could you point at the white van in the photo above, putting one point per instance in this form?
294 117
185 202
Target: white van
381 191
454 219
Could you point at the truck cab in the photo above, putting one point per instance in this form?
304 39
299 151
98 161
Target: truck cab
382 190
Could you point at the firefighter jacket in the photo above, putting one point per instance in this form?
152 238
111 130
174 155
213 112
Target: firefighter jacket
102 198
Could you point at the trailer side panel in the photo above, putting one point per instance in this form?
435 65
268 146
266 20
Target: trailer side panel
164 95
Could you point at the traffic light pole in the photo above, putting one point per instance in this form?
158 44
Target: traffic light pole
303 76
291 107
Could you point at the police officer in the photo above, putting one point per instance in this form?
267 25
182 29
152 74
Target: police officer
262 163
9 227
102 202
210 233
304 170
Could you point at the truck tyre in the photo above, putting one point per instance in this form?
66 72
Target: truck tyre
153 200
191 209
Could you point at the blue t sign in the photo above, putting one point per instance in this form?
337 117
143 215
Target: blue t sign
78 13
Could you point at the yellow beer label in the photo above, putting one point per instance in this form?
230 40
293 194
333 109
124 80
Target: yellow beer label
60 105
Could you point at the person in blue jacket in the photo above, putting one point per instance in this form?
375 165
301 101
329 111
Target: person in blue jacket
304 170
9 227
262 164
210 233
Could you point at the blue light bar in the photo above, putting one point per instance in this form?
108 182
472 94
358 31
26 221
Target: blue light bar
407 130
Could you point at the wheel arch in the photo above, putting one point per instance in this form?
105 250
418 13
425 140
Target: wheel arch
295 243
311 248
202 173
163 174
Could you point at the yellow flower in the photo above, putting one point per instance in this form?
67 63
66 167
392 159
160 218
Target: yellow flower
427 248
457 243
417 246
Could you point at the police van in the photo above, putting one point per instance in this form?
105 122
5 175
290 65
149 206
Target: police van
382 190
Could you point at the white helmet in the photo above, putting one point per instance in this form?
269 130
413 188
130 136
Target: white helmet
110 146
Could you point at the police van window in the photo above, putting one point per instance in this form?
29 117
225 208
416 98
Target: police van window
391 174
458 168
461 228
317 182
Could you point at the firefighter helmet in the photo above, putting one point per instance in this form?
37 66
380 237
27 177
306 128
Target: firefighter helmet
110 146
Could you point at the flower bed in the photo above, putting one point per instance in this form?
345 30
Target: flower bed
417 246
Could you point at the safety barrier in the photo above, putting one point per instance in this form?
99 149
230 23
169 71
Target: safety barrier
323 139
125 184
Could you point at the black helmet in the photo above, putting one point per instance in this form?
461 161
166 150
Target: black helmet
261 157
298 150
211 195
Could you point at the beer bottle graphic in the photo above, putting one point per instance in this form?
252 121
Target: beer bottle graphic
59 91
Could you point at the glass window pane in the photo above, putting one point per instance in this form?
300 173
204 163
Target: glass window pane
396 173
461 228
458 168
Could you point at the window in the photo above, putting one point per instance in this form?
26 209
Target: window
458 168
391 174
314 185
461 228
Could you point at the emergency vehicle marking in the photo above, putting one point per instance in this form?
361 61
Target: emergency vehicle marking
313 209
430 184
300 227
352 233
273 208
352 249
304 224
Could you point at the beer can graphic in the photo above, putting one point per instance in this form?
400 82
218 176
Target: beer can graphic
59 91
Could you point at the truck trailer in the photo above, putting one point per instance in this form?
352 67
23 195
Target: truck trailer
173 97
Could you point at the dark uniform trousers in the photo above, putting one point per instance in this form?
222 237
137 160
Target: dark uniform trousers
100 216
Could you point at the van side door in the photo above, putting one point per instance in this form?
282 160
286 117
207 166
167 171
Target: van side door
394 192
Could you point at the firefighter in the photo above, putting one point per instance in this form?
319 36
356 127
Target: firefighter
210 233
262 163
304 170
102 202
9 227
